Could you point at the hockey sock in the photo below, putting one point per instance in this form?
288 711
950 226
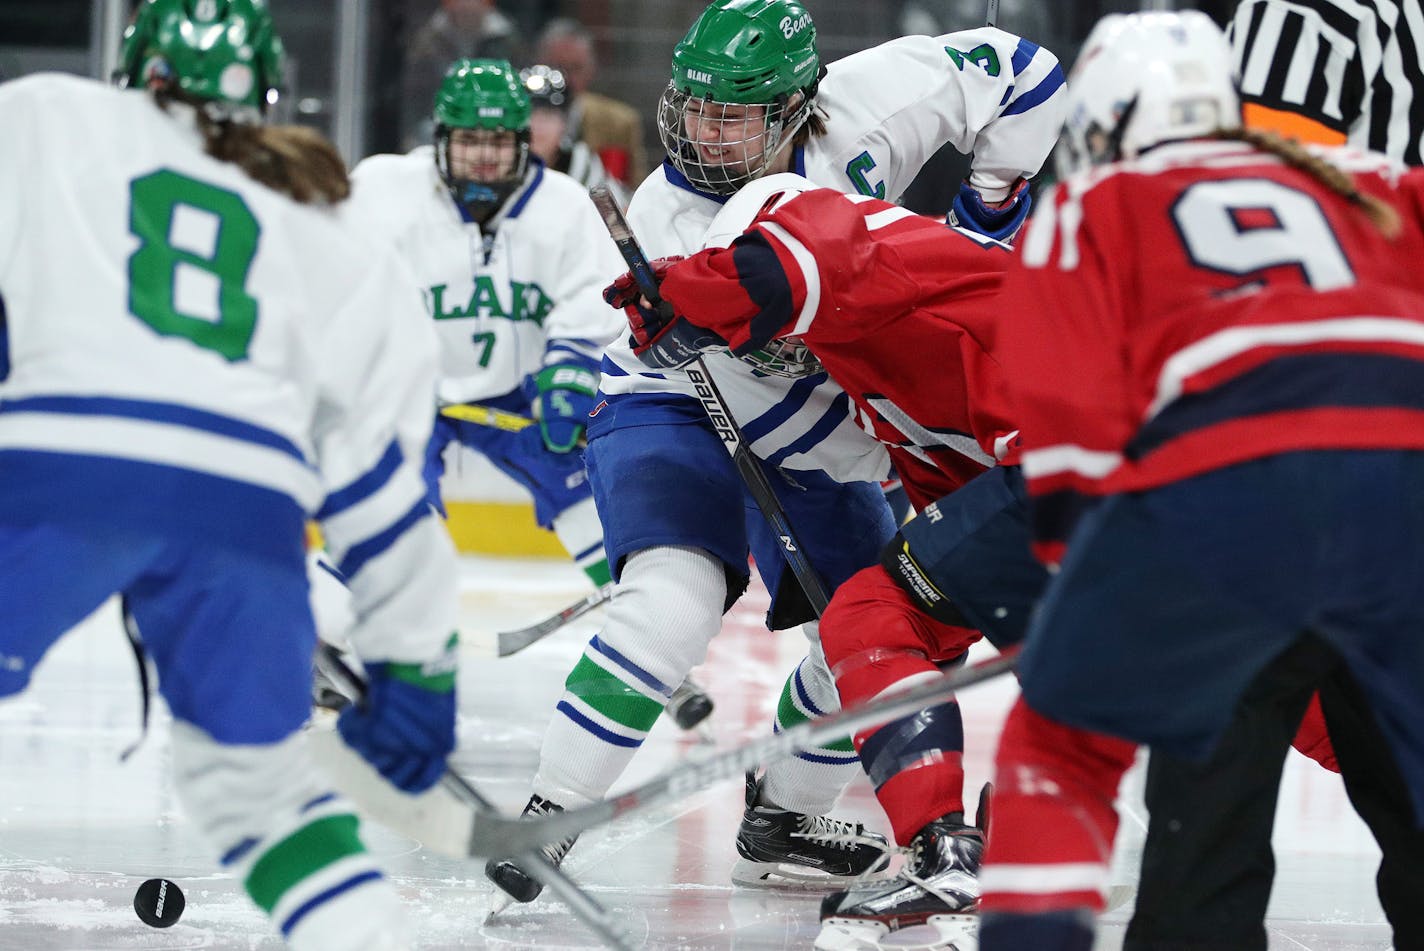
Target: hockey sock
581 534
916 764
1054 819
878 642
667 607
293 843
1050 931
811 781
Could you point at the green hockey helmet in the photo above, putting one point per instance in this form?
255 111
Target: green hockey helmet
224 53
743 81
487 97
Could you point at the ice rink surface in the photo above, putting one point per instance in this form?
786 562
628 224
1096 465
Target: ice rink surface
79 830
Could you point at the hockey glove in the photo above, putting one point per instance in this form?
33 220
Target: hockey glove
561 397
660 338
406 726
1000 222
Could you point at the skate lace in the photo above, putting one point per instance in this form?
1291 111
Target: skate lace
824 830
912 853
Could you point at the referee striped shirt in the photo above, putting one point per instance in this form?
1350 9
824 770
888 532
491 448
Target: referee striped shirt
1335 71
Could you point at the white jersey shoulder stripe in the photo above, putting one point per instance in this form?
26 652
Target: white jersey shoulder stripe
1067 458
1226 344
806 261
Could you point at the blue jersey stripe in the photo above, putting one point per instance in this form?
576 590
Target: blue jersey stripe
790 405
1306 381
364 487
1023 55
528 192
609 368
679 180
837 414
150 498
359 555
154 412
1037 95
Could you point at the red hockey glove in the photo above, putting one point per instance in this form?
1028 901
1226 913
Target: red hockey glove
660 338
624 293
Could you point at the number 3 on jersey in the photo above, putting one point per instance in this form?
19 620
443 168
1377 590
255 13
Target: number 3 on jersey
188 277
1245 226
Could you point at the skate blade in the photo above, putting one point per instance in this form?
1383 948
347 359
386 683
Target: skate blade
850 934
939 933
784 875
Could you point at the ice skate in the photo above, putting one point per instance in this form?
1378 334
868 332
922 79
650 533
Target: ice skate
512 880
928 904
783 848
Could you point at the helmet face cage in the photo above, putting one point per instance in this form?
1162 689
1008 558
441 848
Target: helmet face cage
487 98
719 147
786 357
480 196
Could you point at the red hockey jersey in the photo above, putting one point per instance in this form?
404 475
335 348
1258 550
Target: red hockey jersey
899 309
1203 306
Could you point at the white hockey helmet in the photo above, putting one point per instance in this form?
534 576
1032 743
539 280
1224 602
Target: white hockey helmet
1143 79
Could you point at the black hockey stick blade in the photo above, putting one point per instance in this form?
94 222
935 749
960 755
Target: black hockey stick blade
494 835
512 642
627 243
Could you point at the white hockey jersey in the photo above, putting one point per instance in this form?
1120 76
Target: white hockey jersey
508 299
207 356
888 110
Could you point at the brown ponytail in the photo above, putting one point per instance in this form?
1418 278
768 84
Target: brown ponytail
288 158
1379 211
294 160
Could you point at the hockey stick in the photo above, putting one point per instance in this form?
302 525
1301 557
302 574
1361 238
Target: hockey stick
512 642
991 16
720 414
603 923
495 835
487 416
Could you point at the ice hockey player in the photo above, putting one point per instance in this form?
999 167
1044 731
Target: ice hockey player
749 96
1224 438
191 328
550 131
867 290
901 310
510 257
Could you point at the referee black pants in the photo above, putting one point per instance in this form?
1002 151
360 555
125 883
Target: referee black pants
1207 865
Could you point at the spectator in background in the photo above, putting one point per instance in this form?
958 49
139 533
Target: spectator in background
458 29
551 135
612 129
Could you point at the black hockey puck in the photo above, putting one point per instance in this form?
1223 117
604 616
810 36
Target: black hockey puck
692 710
158 903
